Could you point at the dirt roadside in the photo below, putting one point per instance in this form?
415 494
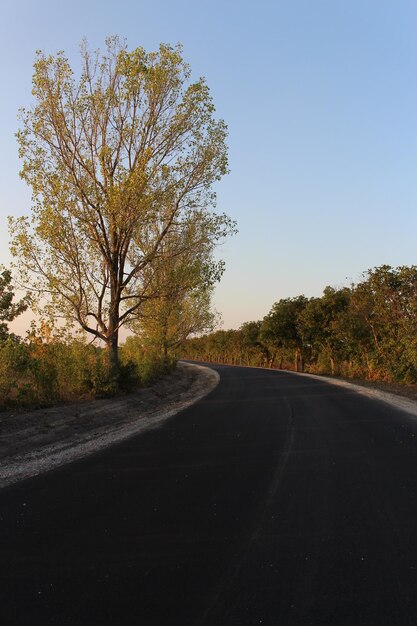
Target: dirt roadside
37 441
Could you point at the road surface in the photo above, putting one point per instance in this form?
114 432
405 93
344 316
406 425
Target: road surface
276 500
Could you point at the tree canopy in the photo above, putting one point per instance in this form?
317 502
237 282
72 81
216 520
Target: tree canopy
120 160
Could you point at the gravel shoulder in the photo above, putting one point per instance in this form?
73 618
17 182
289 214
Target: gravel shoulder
37 441
402 397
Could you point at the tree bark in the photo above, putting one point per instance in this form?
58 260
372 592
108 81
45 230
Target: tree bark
299 362
113 357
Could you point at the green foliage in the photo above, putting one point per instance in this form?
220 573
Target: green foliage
184 284
366 331
237 347
15 361
321 324
143 363
50 368
8 309
121 160
40 373
281 329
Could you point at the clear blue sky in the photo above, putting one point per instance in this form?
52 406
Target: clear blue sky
321 103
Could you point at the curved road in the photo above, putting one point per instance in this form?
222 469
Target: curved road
276 500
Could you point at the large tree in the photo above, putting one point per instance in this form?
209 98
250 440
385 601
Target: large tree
118 159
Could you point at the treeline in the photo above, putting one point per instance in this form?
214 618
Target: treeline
368 330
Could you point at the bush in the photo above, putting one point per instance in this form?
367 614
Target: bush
142 364
49 369
36 373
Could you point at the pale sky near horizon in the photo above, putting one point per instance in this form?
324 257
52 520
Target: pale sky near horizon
321 103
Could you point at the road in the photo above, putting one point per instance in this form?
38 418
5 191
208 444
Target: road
276 500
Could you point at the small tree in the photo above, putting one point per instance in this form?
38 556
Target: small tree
184 275
117 160
8 309
281 330
322 321
254 351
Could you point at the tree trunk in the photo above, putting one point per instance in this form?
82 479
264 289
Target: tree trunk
113 326
113 357
299 362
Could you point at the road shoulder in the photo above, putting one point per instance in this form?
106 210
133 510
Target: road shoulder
408 405
38 441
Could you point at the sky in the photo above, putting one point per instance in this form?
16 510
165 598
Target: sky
320 99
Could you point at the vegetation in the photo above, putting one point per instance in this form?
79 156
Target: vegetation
41 371
367 331
121 162
51 366
9 310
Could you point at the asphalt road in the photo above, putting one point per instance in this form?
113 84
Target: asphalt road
276 500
